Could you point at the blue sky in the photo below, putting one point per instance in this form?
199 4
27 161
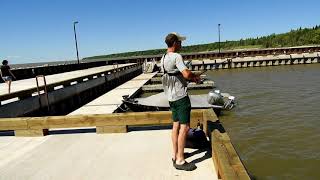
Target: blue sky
42 30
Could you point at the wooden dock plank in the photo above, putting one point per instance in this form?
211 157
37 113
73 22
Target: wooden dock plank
111 119
13 123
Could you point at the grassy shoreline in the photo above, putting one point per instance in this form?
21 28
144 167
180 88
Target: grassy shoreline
298 37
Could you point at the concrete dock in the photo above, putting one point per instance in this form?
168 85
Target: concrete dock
132 155
65 92
111 100
30 84
114 152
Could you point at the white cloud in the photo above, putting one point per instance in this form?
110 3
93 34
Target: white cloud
13 57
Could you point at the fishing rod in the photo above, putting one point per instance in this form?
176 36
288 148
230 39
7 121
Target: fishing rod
188 64
205 70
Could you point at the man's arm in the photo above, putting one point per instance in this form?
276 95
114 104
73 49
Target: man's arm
187 74
12 74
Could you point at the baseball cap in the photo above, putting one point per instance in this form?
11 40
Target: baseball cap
173 37
180 37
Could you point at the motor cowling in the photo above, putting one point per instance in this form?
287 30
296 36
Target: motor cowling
215 98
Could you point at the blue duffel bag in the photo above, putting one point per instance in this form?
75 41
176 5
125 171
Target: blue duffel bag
196 139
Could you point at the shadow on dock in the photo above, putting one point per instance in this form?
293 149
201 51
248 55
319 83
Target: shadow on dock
207 155
6 133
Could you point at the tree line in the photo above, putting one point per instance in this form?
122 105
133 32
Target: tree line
297 37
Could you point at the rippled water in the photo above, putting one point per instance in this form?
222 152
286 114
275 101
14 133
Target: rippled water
276 126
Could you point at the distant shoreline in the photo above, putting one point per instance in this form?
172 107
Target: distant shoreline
41 64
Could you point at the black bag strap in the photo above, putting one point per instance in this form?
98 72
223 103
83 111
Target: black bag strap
164 70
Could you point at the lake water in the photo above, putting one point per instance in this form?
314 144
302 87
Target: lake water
276 126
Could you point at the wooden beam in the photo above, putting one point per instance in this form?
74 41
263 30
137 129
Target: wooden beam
116 119
226 158
31 132
224 140
221 160
13 123
111 129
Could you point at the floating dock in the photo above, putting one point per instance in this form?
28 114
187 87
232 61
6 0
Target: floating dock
237 53
112 100
191 86
56 80
158 78
62 91
257 61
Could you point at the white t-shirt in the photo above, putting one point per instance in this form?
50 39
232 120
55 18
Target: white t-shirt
175 87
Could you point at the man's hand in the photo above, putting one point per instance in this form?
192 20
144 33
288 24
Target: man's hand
196 79
187 74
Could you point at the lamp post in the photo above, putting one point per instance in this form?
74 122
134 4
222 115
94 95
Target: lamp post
75 38
219 38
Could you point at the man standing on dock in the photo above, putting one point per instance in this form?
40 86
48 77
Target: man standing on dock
6 74
175 87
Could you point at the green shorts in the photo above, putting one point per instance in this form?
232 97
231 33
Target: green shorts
181 110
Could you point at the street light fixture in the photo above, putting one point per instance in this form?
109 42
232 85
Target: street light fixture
219 37
75 38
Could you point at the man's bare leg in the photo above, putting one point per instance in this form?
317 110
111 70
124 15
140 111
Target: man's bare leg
174 137
9 84
181 142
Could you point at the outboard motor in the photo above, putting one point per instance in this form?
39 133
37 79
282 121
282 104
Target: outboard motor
230 103
215 98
